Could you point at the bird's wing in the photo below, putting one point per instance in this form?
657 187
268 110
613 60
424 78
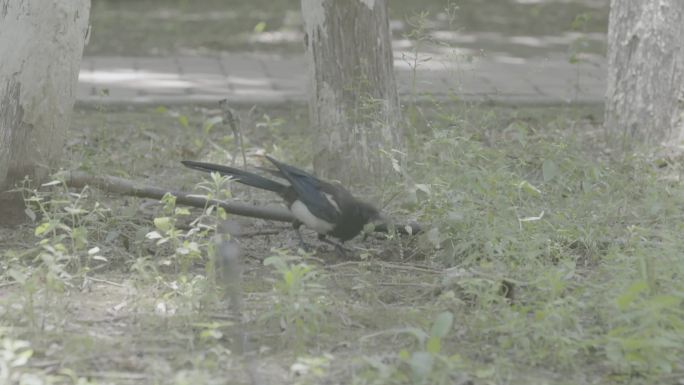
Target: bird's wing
310 191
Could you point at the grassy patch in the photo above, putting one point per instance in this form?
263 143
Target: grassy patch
546 259
164 27
153 27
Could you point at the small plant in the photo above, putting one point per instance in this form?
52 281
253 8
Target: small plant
65 226
425 364
578 46
185 296
184 248
300 298
15 357
421 34
269 124
579 24
181 248
648 336
216 188
187 246
64 220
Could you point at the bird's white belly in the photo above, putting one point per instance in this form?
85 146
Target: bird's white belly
302 213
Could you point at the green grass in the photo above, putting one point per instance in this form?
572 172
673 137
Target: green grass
163 27
154 27
532 199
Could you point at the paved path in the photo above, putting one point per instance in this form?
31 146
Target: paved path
249 78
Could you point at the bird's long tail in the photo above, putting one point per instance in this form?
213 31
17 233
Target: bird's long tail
244 177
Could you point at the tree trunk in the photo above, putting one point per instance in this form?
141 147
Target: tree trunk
645 95
353 106
41 44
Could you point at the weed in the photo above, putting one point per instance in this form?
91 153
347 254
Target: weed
590 243
425 364
15 368
300 299
578 47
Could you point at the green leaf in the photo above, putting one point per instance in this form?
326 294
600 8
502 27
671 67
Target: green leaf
183 120
421 366
21 358
31 214
423 187
550 170
211 334
163 223
260 27
485 372
289 278
395 165
153 235
80 237
75 210
580 21
614 353
631 294
665 301
17 275
442 325
529 188
182 211
277 262
42 228
211 122
434 345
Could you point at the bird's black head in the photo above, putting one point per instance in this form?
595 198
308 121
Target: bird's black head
369 213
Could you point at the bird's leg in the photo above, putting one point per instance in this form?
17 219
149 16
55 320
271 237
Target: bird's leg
341 250
296 225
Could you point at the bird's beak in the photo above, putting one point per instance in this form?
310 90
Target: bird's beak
381 221
383 224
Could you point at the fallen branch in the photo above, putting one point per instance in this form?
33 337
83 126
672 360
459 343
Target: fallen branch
79 179
123 186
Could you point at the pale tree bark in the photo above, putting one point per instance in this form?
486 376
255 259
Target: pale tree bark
354 107
41 44
645 95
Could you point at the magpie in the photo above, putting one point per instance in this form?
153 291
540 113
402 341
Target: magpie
327 208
